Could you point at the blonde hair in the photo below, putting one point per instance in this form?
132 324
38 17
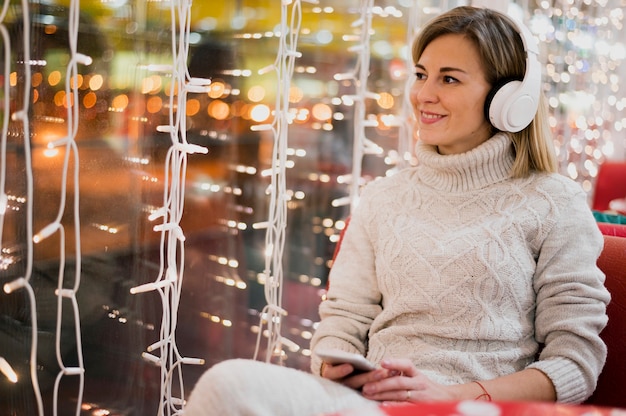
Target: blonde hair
503 59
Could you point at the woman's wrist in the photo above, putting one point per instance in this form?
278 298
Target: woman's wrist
470 391
484 395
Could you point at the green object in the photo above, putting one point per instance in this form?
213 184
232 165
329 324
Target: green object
610 218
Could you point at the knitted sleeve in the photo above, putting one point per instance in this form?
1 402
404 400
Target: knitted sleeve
571 302
353 299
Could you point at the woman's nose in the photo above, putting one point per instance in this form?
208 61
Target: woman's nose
424 91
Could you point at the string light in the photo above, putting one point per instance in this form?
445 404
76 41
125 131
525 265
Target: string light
584 76
406 117
7 370
21 114
283 66
168 284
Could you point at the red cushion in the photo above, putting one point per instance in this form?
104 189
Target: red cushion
610 184
608 228
611 390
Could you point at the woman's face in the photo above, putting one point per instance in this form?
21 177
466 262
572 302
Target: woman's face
448 95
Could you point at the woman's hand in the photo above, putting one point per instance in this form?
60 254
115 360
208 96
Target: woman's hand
405 384
346 375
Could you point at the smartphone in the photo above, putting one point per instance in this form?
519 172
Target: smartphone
340 357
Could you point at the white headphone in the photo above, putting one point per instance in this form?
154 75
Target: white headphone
511 105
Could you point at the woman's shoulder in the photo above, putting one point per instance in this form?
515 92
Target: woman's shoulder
556 196
554 184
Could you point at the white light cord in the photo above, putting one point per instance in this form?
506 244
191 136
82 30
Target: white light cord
273 313
71 91
362 72
407 118
168 284
21 115
6 43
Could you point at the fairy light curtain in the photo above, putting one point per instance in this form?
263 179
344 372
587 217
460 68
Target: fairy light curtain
584 48
66 290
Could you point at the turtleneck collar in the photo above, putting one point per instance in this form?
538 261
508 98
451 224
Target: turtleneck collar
488 163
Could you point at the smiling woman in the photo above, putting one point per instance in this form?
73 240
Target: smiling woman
454 272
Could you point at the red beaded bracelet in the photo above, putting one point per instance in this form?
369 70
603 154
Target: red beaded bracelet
485 396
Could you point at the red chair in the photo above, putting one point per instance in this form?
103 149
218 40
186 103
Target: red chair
617 230
610 184
611 390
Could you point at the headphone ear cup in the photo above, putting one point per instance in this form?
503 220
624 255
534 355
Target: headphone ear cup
498 109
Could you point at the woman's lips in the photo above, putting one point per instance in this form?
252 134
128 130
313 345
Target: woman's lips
429 118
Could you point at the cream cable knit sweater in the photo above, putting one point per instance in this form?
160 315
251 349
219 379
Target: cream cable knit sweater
466 271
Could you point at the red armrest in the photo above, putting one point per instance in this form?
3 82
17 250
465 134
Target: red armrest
611 390
608 228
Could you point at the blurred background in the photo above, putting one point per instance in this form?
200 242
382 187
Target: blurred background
122 158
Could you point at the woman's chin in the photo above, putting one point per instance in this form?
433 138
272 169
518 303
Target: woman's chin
427 138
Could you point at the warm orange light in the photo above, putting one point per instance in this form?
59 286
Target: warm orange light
154 104
37 78
322 111
295 94
217 89
76 81
385 100
151 84
256 93
68 100
96 82
59 98
89 100
54 78
193 107
120 102
238 108
219 110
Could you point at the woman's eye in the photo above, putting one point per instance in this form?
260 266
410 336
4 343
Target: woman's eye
420 76
449 80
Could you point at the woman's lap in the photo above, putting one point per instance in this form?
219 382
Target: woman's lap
248 387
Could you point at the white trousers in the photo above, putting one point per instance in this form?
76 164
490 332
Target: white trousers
246 387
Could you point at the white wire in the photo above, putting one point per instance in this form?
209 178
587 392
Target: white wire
272 314
405 140
169 280
71 149
362 75
6 43
22 115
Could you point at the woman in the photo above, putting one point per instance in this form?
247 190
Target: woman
471 276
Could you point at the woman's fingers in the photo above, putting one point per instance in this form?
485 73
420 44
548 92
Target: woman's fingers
401 366
405 383
336 372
